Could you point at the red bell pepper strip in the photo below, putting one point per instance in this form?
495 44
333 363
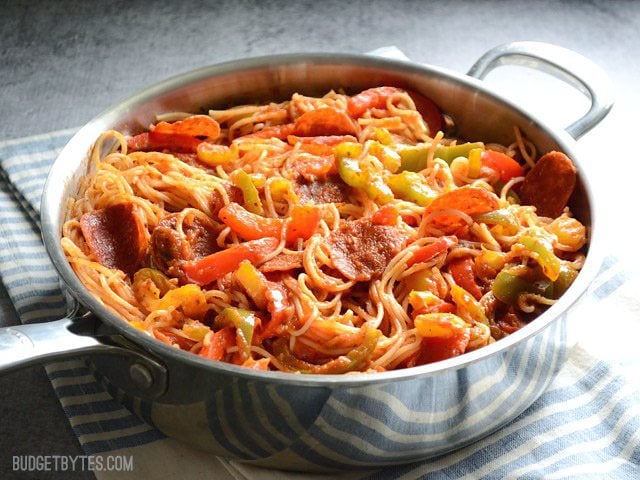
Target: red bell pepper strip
212 267
463 273
428 252
218 344
303 223
249 226
503 164
387 215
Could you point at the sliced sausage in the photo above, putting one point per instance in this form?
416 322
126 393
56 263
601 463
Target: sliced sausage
170 248
116 236
282 263
361 250
549 184
330 191
216 202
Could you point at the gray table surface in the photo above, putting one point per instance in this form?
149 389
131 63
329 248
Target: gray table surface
61 63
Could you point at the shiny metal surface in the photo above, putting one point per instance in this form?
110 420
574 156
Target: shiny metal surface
329 422
563 64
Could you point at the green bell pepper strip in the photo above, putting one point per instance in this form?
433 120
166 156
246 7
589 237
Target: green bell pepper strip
244 182
449 153
159 279
508 286
352 361
414 157
369 182
565 279
540 244
243 320
410 186
503 217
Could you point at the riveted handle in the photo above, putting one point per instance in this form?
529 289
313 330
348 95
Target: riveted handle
564 64
37 343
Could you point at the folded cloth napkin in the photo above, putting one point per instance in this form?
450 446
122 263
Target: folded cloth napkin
586 425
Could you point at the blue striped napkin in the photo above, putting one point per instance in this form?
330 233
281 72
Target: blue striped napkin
586 425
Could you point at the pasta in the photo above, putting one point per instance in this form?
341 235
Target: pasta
323 235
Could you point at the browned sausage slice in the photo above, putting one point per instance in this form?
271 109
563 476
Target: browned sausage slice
361 250
549 184
115 235
282 263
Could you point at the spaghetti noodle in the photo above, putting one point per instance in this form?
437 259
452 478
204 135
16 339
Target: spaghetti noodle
323 235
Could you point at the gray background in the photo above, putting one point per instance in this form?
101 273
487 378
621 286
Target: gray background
61 63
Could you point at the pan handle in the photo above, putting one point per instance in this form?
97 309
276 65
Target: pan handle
564 64
31 344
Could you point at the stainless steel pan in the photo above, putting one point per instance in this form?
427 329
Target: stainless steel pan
306 422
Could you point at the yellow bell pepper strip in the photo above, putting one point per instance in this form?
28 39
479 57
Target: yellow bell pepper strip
248 225
489 263
253 282
422 281
540 244
354 360
190 298
370 183
149 285
503 217
270 296
244 321
463 272
244 182
468 308
383 136
509 284
426 302
441 325
196 330
475 162
282 189
428 252
444 335
449 152
215 344
212 267
503 164
352 173
213 155
389 158
410 186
